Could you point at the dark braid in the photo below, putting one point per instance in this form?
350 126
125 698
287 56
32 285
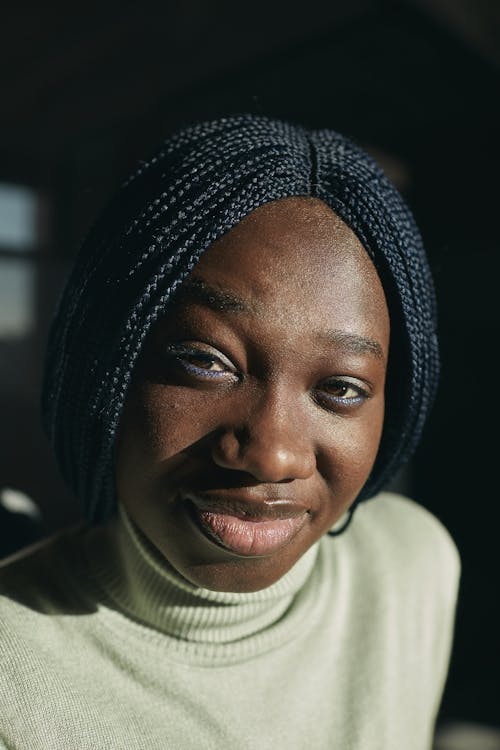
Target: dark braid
203 182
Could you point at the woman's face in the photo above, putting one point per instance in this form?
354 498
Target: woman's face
256 410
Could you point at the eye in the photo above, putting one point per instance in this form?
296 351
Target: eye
200 361
341 392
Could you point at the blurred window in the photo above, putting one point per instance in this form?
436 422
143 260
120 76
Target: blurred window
18 217
19 230
16 298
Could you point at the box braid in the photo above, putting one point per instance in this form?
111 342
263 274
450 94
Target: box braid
205 180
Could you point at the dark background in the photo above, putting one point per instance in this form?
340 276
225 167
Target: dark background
86 94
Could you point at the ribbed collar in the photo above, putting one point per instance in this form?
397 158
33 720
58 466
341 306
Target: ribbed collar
141 584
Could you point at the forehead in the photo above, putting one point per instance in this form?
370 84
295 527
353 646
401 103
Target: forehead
290 239
296 262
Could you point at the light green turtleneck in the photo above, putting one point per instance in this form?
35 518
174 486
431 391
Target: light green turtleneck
103 645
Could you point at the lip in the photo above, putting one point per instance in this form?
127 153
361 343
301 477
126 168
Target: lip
250 528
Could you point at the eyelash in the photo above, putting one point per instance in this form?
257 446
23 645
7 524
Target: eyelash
180 353
361 393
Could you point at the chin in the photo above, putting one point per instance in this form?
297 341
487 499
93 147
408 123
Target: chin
239 575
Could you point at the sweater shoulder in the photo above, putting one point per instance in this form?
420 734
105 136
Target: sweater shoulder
394 536
401 531
41 577
391 512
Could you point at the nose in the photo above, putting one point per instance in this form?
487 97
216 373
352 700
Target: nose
271 443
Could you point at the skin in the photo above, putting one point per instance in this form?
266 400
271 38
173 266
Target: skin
277 407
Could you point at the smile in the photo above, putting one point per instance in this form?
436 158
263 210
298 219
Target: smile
247 529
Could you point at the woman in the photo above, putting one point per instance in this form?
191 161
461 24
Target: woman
244 351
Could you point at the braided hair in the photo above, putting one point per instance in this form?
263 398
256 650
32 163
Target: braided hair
204 180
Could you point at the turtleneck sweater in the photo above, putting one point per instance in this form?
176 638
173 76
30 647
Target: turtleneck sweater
104 645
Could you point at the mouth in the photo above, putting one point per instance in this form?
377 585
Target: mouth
249 529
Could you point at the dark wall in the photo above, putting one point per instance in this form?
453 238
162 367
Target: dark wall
393 80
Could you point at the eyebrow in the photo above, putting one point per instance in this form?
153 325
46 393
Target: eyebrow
221 300
210 296
352 343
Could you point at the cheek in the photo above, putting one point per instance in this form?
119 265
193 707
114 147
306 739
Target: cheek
349 452
144 441
156 425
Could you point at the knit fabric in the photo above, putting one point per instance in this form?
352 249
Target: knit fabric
204 181
104 647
